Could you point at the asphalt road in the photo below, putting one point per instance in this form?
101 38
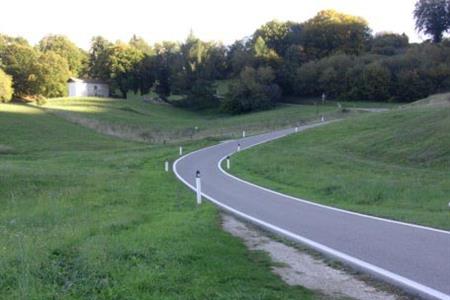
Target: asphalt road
413 257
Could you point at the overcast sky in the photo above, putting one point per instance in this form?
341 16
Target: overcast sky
225 20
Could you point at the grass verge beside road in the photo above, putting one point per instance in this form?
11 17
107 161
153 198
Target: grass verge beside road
394 164
89 216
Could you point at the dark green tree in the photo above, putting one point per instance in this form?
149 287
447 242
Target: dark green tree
99 57
389 43
275 35
255 89
433 17
122 61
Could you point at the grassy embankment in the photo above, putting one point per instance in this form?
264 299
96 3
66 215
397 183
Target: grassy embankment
394 164
87 216
137 120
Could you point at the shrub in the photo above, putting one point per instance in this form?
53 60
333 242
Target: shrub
254 90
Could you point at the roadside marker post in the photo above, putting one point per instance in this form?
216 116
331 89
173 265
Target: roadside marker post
166 166
296 129
238 147
228 162
243 133
322 119
198 185
181 150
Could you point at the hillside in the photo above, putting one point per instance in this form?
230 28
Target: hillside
137 120
393 164
84 215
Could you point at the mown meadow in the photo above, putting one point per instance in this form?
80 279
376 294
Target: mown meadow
392 164
89 216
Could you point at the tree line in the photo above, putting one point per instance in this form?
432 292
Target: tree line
331 53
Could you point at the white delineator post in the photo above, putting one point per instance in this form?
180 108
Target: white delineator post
228 162
238 147
296 129
243 133
166 166
322 119
198 185
181 150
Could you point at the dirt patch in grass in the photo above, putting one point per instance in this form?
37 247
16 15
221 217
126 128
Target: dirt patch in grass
300 268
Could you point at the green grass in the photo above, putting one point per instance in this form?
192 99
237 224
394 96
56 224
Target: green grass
394 164
87 216
344 104
137 120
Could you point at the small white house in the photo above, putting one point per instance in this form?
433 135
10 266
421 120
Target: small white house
87 88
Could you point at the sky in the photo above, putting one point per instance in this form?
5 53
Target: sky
225 21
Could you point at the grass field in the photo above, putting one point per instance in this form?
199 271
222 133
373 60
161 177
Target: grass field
87 216
394 164
137 120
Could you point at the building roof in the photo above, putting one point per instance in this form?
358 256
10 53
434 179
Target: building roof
94 81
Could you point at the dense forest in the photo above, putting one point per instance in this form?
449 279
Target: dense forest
332 53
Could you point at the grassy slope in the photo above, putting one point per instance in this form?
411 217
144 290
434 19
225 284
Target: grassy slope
394 164
88 216
140 121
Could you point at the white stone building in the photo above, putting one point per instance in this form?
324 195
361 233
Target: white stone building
87 88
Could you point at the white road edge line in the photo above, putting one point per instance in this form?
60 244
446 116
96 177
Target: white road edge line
400 280
314 203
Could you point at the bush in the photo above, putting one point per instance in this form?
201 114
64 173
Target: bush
201 96
389 43
254 90
6 90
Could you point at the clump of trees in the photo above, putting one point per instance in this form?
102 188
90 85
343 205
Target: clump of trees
40 71
6 89
331 53
254 89
414 74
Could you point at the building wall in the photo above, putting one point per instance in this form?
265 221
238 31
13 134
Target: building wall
83 89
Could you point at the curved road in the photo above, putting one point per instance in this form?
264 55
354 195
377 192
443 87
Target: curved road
413 257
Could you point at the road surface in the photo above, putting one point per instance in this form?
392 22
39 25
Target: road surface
413 257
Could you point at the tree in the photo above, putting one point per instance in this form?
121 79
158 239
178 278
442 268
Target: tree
433 17
122 60
253 90
53 73
389 43
200 96
6 90
65 48
375 82
215 63
330 32
140 44
294 57
98 58
21 62
239 56
274 34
